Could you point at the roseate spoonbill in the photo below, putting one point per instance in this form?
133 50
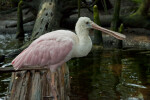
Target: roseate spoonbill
55 48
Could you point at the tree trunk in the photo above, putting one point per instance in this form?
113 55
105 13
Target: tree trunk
20 30
47 19
115 20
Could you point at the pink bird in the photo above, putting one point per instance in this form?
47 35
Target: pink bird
55 48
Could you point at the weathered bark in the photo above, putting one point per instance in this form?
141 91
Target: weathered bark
34 85
47 19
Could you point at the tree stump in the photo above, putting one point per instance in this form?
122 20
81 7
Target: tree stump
34 85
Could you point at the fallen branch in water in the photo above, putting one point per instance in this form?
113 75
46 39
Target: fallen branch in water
11 69
26 20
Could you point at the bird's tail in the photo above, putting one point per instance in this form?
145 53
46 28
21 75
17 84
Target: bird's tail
18 61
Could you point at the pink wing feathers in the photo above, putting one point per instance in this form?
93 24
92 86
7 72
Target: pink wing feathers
44 52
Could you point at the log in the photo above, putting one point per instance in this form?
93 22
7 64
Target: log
26 20
34 85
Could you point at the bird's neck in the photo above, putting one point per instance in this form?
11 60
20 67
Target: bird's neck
83 35
84 44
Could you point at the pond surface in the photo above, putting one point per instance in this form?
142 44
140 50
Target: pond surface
111 75
102 75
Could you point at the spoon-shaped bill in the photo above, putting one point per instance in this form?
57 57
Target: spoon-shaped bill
112 33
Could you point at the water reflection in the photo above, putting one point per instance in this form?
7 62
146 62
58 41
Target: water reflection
115 75
4 82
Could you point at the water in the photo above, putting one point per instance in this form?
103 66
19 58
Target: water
111 75
102 75
4 82
8 44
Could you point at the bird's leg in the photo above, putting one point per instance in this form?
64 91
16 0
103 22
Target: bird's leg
53 79
53 87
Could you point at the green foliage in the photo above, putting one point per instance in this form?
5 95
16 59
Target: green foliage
96 15
121 28
97 34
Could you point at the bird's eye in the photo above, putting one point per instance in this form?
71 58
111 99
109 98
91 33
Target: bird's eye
87 22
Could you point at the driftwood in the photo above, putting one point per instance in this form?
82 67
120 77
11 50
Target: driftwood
34 84
26 20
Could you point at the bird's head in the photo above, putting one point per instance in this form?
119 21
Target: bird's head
85 24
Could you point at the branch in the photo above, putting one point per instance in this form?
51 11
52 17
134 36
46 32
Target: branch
11 69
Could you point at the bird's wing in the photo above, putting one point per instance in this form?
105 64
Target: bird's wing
44 52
